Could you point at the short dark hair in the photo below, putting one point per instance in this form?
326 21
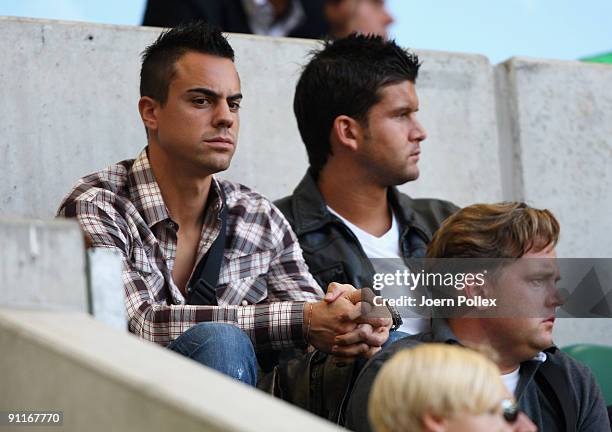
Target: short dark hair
344 78
159 58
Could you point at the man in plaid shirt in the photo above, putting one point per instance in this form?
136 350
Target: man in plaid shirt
162 212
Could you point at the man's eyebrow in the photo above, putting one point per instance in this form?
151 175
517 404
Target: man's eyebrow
213 94
205 91
545 274
407 107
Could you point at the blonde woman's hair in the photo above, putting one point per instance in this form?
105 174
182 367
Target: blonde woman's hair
439 379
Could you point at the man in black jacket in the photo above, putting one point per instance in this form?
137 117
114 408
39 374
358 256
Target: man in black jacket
356 106
292 18
516 243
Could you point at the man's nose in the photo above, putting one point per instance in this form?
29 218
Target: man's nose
418 132
387 17
555 297
223 116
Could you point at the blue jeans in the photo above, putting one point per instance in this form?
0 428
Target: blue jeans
393 337
222 347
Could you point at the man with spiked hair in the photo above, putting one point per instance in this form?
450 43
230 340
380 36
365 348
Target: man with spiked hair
211 269
356 107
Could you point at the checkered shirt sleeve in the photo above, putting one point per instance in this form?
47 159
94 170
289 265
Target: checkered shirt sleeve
263 284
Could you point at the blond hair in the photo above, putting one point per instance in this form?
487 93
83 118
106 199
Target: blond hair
439 379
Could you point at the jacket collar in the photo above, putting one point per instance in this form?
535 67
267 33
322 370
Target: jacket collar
403 206
442 332
310 209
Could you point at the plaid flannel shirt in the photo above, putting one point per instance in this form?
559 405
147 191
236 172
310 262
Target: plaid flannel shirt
263 282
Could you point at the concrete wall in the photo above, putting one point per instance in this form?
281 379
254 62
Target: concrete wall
105 287
77 112
556 144
560 140
527 129
460 159
105 380
42 265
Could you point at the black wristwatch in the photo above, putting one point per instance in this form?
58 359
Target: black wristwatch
397 319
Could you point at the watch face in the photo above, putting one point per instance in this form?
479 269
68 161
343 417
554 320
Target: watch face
510 410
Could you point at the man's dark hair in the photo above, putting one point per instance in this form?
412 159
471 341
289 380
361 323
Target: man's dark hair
344 78
159 58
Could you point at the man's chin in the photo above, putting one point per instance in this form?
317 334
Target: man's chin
215 166
406 177
545 340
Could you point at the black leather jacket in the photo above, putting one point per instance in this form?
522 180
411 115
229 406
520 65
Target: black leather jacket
330 248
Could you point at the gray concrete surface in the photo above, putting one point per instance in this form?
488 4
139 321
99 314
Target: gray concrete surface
570 331
105 287
77 112
556 144
460 159
106 380
42 265
560 142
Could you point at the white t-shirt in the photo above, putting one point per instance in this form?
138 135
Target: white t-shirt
511 379
386 246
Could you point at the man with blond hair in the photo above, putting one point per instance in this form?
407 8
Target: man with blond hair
555 391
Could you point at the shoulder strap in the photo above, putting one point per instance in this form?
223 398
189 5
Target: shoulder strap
555 386
202 287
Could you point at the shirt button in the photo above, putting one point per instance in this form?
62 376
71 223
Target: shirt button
245 303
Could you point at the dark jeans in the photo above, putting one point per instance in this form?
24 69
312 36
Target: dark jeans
222 347
393 337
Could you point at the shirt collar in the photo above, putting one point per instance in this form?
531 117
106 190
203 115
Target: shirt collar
541 357
144 191
146 195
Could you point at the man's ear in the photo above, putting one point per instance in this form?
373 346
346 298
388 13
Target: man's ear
346 132
147 107
476 287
